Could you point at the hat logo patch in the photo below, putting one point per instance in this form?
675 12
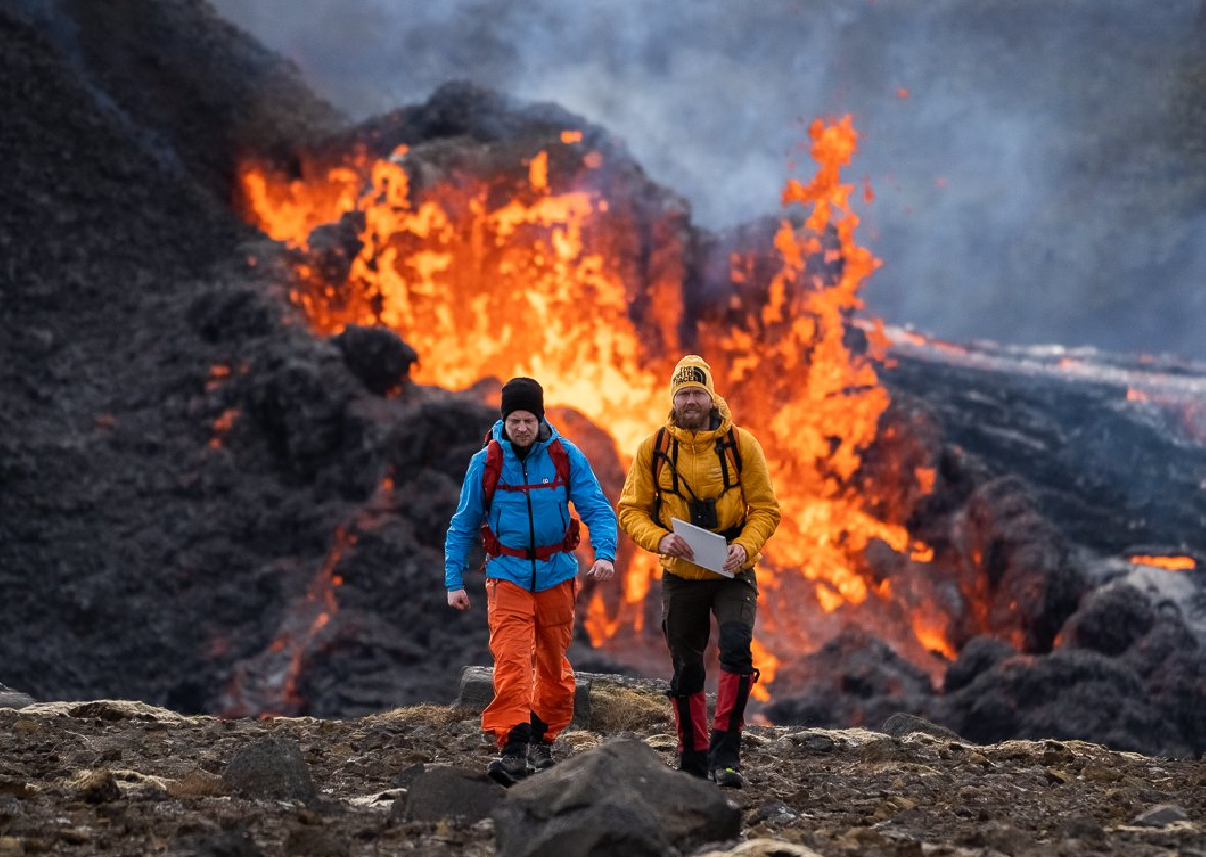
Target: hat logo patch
690 375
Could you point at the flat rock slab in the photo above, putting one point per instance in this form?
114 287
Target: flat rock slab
448 792
10 698
619 798
1161 816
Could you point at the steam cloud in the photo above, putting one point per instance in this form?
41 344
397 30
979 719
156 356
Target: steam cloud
1037 165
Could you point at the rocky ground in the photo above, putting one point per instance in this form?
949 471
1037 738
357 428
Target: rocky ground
108 777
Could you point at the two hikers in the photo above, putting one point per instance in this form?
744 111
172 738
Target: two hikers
699 468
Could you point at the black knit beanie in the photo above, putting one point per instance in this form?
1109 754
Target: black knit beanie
523 394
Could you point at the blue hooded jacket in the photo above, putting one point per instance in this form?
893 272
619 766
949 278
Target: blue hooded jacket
510 520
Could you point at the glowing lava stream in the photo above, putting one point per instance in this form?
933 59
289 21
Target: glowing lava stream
529 285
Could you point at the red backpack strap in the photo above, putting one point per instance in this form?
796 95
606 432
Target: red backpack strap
490 476
493 470
561 464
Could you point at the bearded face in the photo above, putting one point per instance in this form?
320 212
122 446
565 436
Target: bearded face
692 406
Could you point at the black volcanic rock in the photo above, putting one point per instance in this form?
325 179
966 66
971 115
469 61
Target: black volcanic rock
230 313
300 405
837 791
377 356
1110 620
980 654
1033 581
617 798
465 794
854 679
1067 694
270 768
196 92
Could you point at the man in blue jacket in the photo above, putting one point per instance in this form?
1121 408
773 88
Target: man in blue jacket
515 496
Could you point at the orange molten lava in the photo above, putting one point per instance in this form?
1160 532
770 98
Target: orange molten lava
1172 563
532 273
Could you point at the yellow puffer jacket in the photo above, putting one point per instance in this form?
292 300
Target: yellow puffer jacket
698 464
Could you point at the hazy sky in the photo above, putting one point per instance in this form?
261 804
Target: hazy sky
985 125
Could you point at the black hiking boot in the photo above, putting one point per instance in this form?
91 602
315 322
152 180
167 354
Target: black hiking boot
694 762
540 750
728 778
540 755
512 764
510 767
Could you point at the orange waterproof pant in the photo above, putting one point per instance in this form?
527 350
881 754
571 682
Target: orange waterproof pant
529 635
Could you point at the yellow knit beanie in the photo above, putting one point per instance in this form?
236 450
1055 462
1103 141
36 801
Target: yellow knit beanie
692 371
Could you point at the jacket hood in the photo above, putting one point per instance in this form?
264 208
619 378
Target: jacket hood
706 435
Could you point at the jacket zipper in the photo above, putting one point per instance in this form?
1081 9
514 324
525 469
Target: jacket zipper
527 493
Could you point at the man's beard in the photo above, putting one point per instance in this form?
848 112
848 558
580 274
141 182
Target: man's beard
692 419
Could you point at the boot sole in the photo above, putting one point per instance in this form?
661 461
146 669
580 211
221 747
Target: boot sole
503 778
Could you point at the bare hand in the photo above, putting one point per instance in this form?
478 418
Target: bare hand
736 557
602 570
458 599
675 545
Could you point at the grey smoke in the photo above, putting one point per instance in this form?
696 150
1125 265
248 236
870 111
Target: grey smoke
1039 183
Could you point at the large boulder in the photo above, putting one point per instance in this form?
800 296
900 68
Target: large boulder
10 698
616 799
271 768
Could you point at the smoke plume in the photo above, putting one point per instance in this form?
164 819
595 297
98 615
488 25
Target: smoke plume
1037 169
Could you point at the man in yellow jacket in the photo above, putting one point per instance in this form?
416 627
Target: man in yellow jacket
701 469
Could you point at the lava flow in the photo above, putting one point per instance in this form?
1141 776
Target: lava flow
536 268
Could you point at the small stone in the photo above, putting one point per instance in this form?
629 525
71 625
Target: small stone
1083 827
662 742
900 725
408 775
1161 816
96 786
773 811
1101 774
813 741
315 842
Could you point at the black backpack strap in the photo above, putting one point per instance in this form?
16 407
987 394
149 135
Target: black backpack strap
656 460
725 447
